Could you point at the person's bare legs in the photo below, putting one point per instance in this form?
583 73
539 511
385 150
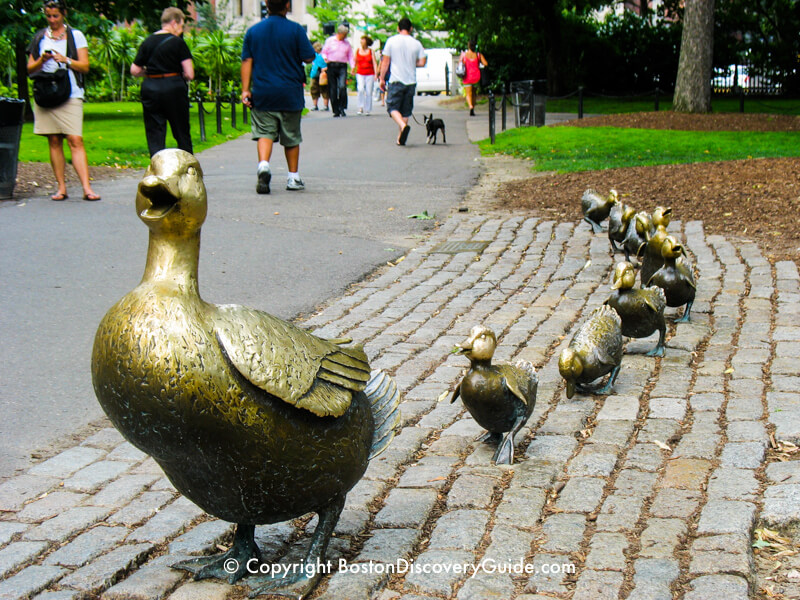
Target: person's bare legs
81 163
58 162
264 149
401 121
292 158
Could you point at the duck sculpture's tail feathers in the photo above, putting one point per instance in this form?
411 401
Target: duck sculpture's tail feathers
385 399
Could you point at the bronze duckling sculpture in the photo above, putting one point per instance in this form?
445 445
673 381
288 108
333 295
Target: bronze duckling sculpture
675 277
618 219
636 234
252 418
596 208
595 350
642 310
652 260
499 397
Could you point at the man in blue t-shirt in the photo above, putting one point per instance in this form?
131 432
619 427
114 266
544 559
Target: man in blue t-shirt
272 86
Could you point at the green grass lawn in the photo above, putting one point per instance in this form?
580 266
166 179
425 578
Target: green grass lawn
569 149
113 133
719 104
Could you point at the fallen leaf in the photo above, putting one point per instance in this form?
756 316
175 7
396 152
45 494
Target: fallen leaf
661 445
443 396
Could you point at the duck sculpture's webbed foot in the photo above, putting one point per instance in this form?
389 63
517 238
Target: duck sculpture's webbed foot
596 227
659 349
505 451
298 583
614 247
685 318
609 386
490 437
230 565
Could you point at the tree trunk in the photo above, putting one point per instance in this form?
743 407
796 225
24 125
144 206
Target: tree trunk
22 77
693 84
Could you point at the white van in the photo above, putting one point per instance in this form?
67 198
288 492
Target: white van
431 77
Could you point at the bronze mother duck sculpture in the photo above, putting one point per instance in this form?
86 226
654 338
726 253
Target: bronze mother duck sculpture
675 277
253 419
642 310
595 350
499 397
596 208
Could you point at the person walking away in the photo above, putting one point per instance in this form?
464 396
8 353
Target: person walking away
272 87
59 46
165 62
338 54
402 53
318 74
473 62
365 71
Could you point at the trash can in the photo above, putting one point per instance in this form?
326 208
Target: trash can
529 102
11 114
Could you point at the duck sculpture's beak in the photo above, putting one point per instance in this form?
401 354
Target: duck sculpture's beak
570 389
161 196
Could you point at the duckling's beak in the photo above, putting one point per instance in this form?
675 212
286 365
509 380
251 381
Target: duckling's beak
617 283
570 389
161 194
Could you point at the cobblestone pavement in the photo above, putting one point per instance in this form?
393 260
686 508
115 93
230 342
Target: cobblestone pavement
652 492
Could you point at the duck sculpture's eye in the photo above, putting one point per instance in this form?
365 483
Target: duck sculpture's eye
191 171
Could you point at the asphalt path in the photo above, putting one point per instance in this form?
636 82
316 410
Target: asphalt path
63 264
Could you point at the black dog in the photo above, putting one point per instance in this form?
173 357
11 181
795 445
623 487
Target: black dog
433 126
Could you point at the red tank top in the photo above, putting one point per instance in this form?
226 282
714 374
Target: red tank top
364 63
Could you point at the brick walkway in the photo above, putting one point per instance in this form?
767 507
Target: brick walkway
648 493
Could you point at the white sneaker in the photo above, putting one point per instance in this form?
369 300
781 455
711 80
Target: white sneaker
295 185
264 177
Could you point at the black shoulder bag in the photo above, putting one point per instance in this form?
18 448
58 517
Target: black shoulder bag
51 90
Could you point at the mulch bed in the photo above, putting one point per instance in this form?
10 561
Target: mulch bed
757 199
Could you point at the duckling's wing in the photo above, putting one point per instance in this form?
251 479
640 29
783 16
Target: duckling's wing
517 378
290 363
654 298
686 271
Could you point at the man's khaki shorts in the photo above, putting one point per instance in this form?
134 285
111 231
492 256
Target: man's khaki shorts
279 126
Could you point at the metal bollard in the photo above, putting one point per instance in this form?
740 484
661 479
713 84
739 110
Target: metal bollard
503 110
201 112
233 110
219 113
244 114
580 101
446 79
492 109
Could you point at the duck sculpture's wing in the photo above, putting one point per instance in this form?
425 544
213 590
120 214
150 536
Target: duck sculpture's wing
517 379
686 271
654 298
290 363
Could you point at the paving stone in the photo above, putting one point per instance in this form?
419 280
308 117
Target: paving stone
67 462
17 554
153 580
619 408
784 472
127 452
598 585
450 445
521 507
67 523
661 537
726 516
581 494
144 507
733 484
8 529
487 587
592 461
202 590
653 577
673 502
619 513
430 471
103 572
508 545
707 401
686 473
96 474
471 491
353 586
616 433
667 408
632 482
122 491
15 492
459 530
202 538
697 445
713 587
87 546
550 571
661 430
29 581
781 505
61 595
563 423
645 457
49 506
406 508
747 431
170 521
743 455
389 545
554 448
784 413
564 532
606 552
106 439
443 576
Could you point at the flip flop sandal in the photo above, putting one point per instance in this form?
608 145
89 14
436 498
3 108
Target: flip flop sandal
59 197
91 197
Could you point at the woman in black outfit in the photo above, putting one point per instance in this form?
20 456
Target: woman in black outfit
165 61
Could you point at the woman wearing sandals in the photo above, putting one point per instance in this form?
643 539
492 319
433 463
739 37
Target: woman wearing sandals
474 62
60 46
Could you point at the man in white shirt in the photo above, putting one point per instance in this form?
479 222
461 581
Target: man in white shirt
404 53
